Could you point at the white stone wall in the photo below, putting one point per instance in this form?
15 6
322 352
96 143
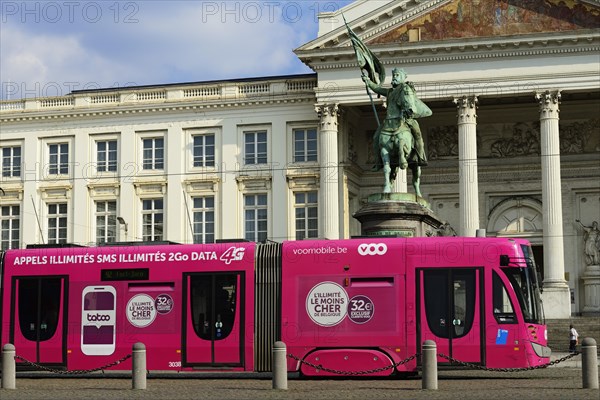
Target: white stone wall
179 180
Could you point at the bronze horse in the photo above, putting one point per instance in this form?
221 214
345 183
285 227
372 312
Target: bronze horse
397 150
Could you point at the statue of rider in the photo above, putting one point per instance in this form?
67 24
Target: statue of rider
402 104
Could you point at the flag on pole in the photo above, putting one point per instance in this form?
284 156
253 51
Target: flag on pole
367 61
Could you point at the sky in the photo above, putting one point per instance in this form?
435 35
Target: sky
49 48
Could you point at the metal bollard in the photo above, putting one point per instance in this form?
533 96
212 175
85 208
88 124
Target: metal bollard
589 363
430 373
9 367
138 366
280 366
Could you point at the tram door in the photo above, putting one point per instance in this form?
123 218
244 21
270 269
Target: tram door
38 323
213 319
450 305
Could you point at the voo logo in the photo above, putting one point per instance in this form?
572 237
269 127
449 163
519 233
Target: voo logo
98 317
372 249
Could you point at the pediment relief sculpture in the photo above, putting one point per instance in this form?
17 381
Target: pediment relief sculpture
461 19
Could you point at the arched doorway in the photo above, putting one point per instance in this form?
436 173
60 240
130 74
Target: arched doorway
519 217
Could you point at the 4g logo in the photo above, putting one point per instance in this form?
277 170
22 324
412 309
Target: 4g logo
232 254
372 249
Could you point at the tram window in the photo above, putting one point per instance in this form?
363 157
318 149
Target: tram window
436 302
463 283
39 302
504 312
213 305
460 303
454 288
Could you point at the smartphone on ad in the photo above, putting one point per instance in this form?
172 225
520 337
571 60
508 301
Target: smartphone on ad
98 320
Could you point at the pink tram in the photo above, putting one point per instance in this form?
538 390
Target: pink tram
345 305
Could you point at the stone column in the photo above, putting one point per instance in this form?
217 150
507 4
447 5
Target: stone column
467 165
329 181
556 291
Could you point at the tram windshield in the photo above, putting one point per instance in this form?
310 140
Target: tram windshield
525 283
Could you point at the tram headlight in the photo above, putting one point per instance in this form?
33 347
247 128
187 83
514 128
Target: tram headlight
541 351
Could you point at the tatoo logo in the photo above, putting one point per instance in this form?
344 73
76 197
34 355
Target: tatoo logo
372 249
98 317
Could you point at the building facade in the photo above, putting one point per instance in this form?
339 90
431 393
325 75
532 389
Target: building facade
513 142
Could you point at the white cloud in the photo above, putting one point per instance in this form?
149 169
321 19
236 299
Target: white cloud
156 42
203 47
39 65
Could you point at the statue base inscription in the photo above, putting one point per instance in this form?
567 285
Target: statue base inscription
398 214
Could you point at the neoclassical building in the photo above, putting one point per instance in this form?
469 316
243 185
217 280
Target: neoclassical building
513 143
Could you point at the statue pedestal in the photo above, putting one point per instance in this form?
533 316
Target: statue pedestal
397 214
591 290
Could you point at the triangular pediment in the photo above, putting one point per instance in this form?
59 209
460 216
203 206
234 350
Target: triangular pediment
388 22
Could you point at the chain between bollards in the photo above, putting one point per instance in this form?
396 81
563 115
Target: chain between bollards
9 367
429 365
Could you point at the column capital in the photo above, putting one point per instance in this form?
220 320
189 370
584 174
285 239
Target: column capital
466 101
328 113
467 108
549 101
548 97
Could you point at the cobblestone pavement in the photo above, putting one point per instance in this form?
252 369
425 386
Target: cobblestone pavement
549 383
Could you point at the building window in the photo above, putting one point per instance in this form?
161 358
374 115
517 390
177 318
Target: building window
204 150
255 217
305 145
307 218
255 147
59 159
57 223
152 220
106 221
11 162
106 155
10 227
204 219
153 153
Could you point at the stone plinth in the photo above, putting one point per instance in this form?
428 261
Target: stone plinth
591 287
397 214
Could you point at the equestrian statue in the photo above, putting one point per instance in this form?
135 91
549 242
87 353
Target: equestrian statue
397 142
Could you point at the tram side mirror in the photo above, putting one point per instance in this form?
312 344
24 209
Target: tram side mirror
504 260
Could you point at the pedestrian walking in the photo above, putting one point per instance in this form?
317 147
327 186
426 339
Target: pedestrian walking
573 336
